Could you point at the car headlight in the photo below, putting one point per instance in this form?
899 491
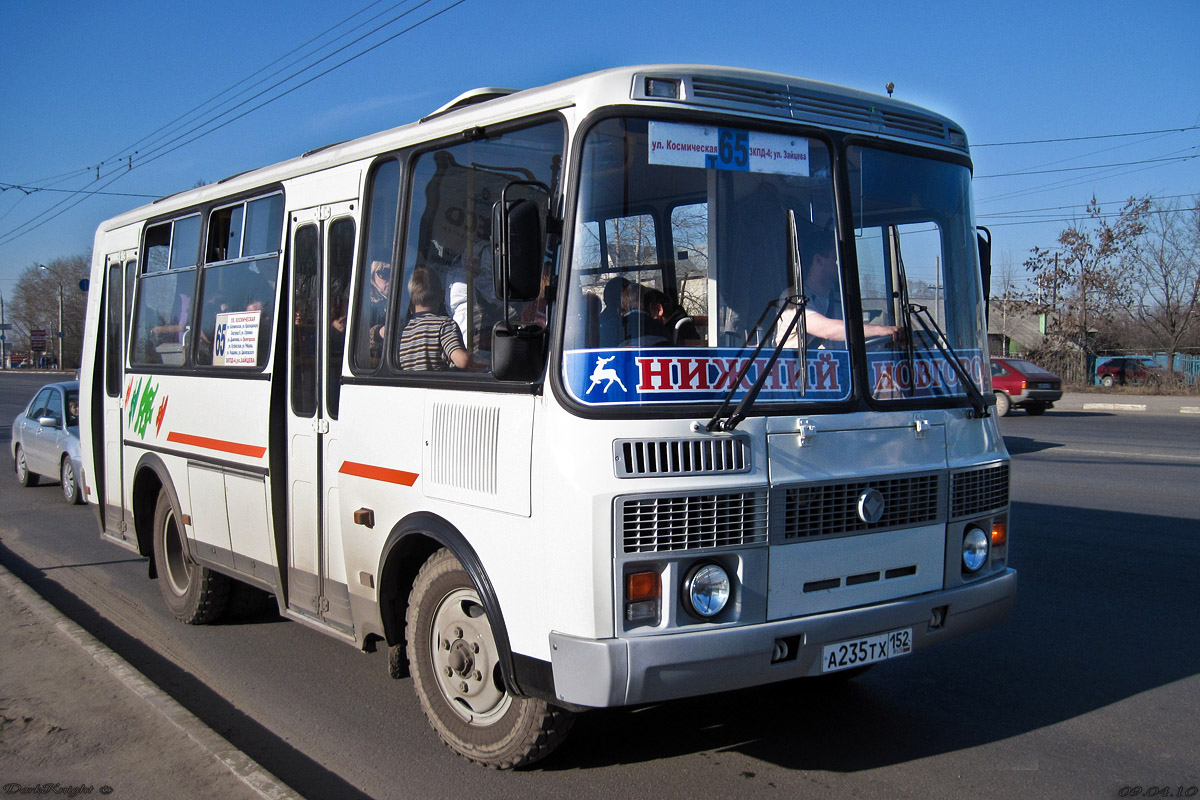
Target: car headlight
975 549
707 589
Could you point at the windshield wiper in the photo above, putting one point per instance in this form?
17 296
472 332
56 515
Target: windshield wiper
930 326
905 313
797 272
800 302
743 408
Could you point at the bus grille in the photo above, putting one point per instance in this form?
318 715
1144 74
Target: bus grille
975 491
647 458
802 103
832 509
692 522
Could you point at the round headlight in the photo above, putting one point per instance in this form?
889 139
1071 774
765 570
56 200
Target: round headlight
707 589
975 549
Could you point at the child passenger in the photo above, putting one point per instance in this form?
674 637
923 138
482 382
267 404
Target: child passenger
431 341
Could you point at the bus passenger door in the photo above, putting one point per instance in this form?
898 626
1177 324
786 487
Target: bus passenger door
119 267
321 252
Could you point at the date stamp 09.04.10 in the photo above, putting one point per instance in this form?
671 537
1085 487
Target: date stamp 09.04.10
54 789
1133 790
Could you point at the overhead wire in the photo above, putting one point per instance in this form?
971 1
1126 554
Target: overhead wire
1087 138
44 217
159 153
1093 166
184 118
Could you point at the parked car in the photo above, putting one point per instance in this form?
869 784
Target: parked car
1023 384
1134 370
45 439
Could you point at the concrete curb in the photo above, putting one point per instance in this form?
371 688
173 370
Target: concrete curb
1170 405
241 765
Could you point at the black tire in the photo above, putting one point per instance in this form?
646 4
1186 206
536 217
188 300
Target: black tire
72 493
24 476
195 595
1035 409
1003 404
470 708
1107 381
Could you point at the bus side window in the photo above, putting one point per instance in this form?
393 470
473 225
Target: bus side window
449 236
237 294
112 332
164 299
306 295
375 276
339 264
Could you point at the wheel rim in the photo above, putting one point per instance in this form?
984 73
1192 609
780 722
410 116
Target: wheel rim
22 470
68 480
465 659
179 573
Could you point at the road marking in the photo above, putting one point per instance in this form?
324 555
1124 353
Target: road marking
1114 406
1189 409
1166 456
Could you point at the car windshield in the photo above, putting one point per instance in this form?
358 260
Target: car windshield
693 245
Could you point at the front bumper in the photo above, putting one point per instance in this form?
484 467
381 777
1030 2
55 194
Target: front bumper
603 673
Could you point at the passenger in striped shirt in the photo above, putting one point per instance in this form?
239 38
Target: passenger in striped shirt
431 341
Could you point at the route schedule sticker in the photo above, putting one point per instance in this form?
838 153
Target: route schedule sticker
712 147
235 343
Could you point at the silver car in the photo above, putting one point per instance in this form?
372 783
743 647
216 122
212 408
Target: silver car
45 439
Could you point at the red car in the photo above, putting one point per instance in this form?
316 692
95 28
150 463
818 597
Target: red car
1128 369
1021 383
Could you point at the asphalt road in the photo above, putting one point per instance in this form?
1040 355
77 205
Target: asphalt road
1092 686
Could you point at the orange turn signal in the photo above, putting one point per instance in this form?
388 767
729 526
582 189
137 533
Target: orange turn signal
642 586
999 533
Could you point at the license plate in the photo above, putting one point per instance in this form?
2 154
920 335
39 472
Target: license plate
1045 385
867 650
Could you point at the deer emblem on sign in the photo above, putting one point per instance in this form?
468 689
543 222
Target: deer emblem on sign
603 373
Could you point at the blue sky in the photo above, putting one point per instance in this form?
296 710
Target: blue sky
81 82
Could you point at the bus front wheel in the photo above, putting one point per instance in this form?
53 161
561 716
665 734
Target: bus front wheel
455 666
194 594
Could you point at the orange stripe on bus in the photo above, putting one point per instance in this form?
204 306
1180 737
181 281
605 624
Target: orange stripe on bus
378 473
254 451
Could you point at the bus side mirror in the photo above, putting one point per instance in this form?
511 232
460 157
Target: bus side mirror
985 267
518 258
517 249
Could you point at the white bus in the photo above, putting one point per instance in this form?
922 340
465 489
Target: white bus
652 383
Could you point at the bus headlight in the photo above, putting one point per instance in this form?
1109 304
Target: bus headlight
707 589
975 549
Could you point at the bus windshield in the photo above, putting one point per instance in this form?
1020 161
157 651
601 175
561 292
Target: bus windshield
695 244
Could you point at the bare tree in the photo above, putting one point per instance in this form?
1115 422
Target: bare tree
35 305
1164 276
1081 283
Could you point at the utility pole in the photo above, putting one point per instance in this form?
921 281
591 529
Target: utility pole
3 336
61 333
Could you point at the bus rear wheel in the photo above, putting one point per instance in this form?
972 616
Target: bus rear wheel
194 594
455 666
